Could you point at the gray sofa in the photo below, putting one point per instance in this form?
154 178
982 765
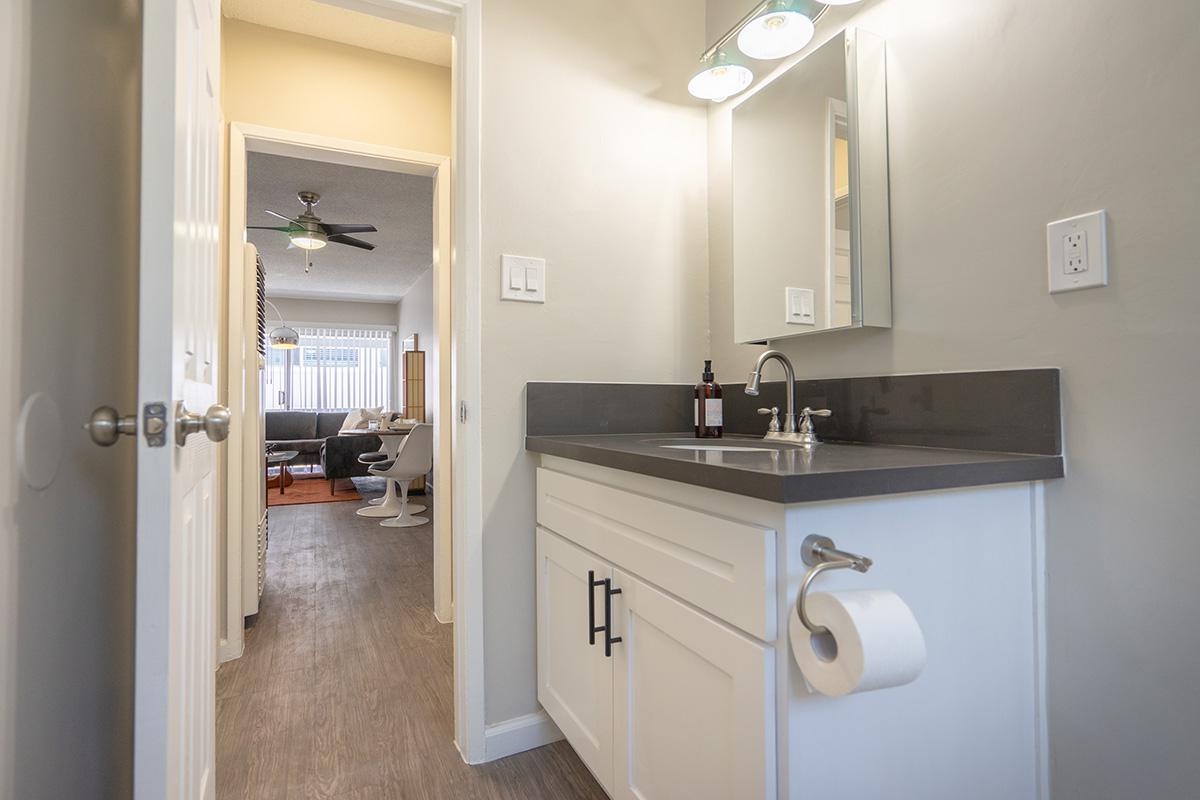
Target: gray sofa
303 431
315 435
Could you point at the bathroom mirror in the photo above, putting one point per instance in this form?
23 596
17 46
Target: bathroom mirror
811 250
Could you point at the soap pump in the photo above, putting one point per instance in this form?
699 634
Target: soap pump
707 411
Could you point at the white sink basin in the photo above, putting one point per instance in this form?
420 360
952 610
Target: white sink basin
719 448
722 445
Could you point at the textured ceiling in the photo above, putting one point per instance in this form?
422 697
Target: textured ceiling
323 21
399 205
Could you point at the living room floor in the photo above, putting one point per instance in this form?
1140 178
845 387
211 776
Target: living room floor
346 689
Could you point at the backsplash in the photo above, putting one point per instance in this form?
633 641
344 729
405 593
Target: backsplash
1005 410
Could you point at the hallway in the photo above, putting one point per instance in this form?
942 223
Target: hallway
346 686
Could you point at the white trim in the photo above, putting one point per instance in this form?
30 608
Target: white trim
1041 734
519 734
469 658
244 138
438 15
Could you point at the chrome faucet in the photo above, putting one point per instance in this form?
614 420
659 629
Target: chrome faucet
789 375
792 430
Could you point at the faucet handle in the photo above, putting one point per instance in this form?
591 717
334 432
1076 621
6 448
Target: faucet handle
806 432
774 412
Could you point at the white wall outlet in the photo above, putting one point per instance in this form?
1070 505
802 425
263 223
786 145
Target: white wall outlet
801 306
523 278
1077 252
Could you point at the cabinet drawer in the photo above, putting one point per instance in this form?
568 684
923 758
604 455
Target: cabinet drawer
722 566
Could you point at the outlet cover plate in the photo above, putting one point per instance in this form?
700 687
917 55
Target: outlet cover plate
1077 252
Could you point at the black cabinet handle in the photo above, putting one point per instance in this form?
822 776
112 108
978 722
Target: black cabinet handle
609 639
592 629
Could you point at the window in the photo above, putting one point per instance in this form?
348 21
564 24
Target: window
333 369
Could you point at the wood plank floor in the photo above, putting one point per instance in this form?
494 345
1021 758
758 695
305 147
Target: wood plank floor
346 686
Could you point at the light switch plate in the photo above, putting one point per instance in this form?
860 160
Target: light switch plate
523 278
801 306
1077 252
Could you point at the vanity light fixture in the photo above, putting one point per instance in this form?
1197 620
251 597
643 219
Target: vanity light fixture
782 29
773 29
720 76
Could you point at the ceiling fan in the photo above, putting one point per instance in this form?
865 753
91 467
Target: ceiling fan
307 230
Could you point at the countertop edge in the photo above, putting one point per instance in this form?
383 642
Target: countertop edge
1012 468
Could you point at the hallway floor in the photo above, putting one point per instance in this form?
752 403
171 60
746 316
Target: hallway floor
346 687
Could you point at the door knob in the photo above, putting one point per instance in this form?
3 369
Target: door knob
214 422
106 426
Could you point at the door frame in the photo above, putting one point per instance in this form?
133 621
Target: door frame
247 138
460 330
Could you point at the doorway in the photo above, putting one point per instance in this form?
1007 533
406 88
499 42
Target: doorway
244 457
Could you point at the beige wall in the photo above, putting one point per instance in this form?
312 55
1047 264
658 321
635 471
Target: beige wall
300 83
415 315
593 158
997 128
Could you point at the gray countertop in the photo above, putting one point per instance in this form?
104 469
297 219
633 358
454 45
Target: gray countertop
788 474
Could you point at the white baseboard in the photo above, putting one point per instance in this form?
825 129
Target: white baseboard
228 651
519 734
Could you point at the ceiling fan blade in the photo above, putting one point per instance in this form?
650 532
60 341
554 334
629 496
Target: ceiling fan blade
281 216
341 238
332 228
268 228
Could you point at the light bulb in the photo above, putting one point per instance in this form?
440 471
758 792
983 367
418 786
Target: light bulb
309 241
719 80
775 34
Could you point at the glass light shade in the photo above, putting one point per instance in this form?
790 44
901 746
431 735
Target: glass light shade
840 2
775 34
720 78
284 338
309 240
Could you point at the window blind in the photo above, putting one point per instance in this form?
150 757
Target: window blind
333 369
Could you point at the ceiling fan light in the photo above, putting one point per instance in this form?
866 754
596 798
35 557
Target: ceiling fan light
777 33
309 240
284 338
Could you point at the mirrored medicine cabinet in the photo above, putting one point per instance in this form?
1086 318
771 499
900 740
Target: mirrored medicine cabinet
811 249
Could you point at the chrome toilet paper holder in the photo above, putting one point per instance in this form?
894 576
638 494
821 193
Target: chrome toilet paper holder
821 554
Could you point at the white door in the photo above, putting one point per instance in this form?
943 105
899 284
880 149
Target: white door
179 265
574 675
694 703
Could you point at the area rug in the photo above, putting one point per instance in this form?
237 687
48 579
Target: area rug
312 488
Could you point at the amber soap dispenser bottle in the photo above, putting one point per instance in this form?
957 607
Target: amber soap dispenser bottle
707 410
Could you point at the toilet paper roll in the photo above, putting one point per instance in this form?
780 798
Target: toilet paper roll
876 642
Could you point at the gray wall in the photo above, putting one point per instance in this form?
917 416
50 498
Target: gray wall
1000 122
69 89
295 311
593 158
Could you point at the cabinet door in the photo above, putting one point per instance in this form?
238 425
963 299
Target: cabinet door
574 677
694 703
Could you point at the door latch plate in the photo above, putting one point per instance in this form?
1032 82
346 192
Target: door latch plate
154 424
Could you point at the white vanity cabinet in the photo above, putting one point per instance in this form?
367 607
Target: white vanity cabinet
575 680
694 702
681 706
700 696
